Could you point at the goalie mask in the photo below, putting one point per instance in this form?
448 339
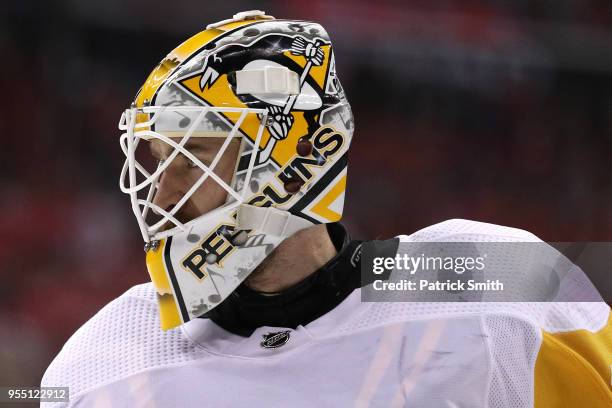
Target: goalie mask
250 118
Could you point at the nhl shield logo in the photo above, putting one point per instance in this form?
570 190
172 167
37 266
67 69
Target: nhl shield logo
275 339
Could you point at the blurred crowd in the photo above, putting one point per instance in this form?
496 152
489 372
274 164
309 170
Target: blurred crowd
497 111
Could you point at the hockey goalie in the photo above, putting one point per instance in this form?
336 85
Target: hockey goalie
236 151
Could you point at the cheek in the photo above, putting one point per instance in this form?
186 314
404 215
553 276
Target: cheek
227 165
226 172
209 196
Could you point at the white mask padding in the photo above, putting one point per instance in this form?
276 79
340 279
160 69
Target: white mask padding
270 220
175 123
243 15
135 177
268 80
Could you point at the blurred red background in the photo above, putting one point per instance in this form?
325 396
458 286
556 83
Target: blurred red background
498 111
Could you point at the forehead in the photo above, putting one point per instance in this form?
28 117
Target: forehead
195 144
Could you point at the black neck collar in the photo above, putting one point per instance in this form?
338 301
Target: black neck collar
245 309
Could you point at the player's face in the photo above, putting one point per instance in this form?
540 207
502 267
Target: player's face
182 174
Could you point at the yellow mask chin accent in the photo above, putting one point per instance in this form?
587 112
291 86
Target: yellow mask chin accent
168 312
168 309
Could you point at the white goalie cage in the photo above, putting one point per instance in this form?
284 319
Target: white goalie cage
175 126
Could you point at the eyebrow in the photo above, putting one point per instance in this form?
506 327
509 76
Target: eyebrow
190 146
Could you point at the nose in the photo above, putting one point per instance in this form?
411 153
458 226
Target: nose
171 187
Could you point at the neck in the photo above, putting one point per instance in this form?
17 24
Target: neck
301 281
293 260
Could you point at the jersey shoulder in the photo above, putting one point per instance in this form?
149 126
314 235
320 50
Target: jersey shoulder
467 230
122 339
554 316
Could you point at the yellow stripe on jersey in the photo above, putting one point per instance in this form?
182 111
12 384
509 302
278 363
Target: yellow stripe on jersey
573 369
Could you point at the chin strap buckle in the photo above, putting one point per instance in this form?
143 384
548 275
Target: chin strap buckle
270 220
152 245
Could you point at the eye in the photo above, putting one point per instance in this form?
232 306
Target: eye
191 164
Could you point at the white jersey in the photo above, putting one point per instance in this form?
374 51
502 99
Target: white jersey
359 354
